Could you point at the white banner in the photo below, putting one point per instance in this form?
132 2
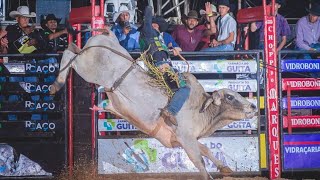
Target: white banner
115 156
235 85
217 66
107 125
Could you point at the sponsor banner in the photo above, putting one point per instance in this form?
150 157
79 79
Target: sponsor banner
32 68
217 66
34 106
13 87
148 155
302 121
300 65
301 83
272 97
301 151
235 85
32 129
15 68
123 125
302 103
244 124
115 125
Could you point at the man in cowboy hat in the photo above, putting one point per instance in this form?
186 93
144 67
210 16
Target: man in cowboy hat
308 33
282 27
57 38
226 29
188 36
125 31
21 37
308 30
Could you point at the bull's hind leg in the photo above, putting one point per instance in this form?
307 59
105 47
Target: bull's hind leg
190 145
205 151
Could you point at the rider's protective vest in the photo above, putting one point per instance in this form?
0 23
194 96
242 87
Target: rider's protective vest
155 44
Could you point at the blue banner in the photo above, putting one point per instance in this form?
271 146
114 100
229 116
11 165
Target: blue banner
300 65
302 103
301 151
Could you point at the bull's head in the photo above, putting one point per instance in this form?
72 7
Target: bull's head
231 103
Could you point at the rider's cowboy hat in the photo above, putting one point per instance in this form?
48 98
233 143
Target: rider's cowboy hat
163 24
22 11
315 9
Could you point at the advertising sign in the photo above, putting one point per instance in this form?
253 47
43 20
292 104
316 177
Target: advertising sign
107 125
301 151
301 83
300 65
235 85
217 66
272 96
115 156
302 121
302 103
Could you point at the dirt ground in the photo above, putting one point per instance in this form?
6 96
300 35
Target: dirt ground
87 173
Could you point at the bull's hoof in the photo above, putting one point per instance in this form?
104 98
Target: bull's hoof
225 171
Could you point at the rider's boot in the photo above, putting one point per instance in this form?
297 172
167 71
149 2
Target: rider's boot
165 114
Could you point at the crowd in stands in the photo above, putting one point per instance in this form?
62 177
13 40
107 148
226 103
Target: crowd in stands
23 38
215 30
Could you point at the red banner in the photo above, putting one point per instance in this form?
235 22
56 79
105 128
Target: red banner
272 97
301 84
302 122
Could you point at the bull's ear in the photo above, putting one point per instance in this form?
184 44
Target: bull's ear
74 48
206 104
216 97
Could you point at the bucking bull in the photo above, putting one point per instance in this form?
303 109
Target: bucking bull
104 62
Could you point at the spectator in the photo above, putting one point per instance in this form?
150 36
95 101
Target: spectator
226 29
57 38
308 30
126 32
206 40
159 24
3 42
188 36
282 27
23 38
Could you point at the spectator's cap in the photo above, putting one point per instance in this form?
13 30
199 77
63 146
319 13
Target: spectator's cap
281 2
224 3
50 17
315 9
214 10
22 11
163 24
192 15
122 9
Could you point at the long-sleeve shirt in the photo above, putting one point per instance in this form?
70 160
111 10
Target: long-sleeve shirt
130 41
282 28
307 33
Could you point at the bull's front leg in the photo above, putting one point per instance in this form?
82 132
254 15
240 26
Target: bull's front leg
205 151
